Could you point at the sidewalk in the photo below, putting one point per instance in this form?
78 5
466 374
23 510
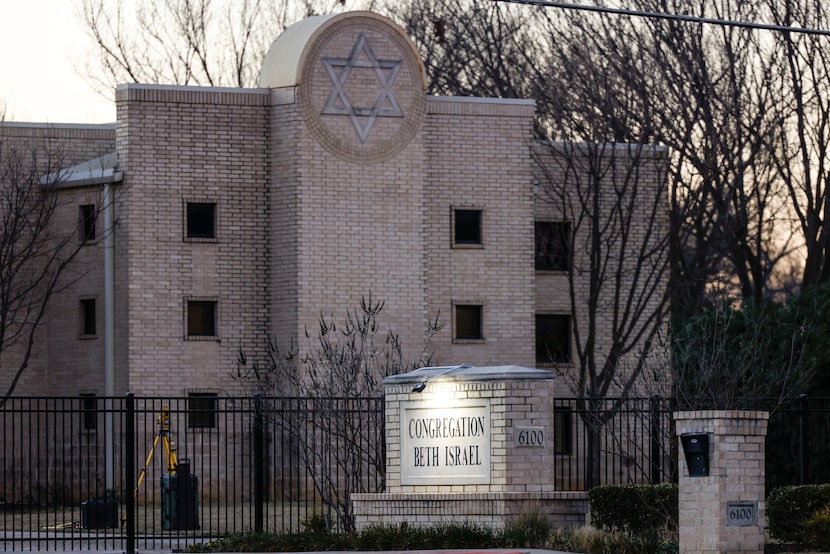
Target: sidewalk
449 551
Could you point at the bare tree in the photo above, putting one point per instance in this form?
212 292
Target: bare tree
472 47
800 145
36 255
335 387
188 42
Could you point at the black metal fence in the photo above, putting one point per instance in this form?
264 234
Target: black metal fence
633 441
279 464
613 441
242 464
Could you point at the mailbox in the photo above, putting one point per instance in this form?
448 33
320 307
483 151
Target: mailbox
696 449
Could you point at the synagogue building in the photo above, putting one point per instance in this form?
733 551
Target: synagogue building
243 214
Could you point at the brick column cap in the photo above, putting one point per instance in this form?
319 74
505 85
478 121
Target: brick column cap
720 414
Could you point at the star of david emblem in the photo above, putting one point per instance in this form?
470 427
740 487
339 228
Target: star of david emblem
338 102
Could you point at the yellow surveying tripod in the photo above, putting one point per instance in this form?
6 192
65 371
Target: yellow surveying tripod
167 441
166 437
179 493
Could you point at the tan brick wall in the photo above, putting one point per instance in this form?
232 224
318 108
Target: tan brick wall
641 169
180 144
520 402
520 477
736 474
304 229
61 363
478 158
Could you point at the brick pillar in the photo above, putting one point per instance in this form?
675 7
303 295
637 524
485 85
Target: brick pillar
722 510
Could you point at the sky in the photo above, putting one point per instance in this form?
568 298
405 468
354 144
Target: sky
42 50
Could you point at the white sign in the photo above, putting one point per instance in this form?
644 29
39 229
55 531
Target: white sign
445 444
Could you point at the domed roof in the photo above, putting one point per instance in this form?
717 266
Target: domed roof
358 80
282 66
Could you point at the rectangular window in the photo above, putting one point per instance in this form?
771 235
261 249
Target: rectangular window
201 410
89 412
563 431
553 339
88 316
201 220
553 246
201 318
467 226
468 322
86 222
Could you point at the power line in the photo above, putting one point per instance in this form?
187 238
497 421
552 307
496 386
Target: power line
672 17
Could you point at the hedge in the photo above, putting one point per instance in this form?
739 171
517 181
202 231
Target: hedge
637 509
791 508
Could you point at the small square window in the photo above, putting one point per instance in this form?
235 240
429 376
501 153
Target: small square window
201 318
201 220
468 322
553 339
201 410
553 246
89 412
87 310
563 431
467 225
86 222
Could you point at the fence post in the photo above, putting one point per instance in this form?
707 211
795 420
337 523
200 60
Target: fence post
259 453
804 437
129 468
655 457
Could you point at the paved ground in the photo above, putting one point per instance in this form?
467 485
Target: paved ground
26 548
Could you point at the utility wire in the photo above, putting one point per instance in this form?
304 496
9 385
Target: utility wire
672 17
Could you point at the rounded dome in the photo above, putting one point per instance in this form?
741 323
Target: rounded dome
282 65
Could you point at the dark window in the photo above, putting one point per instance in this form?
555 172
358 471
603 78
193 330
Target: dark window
563 431
552 246
201 318
468 322
88 316
201 410
86 224
553 339
201 220
467 226
89 412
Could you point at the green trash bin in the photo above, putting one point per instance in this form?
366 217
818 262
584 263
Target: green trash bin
179 499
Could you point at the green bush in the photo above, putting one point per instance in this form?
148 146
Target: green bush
790 508
636 509
817 530
528 531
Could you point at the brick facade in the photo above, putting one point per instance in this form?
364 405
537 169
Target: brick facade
735 477
519 477
335 180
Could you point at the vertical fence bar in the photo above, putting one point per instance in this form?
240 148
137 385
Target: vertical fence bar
258 465
655 457
804 437
129 470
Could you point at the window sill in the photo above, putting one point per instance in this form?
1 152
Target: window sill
467 246
555 365
201 239
469 341
203 338
202 430
87 337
